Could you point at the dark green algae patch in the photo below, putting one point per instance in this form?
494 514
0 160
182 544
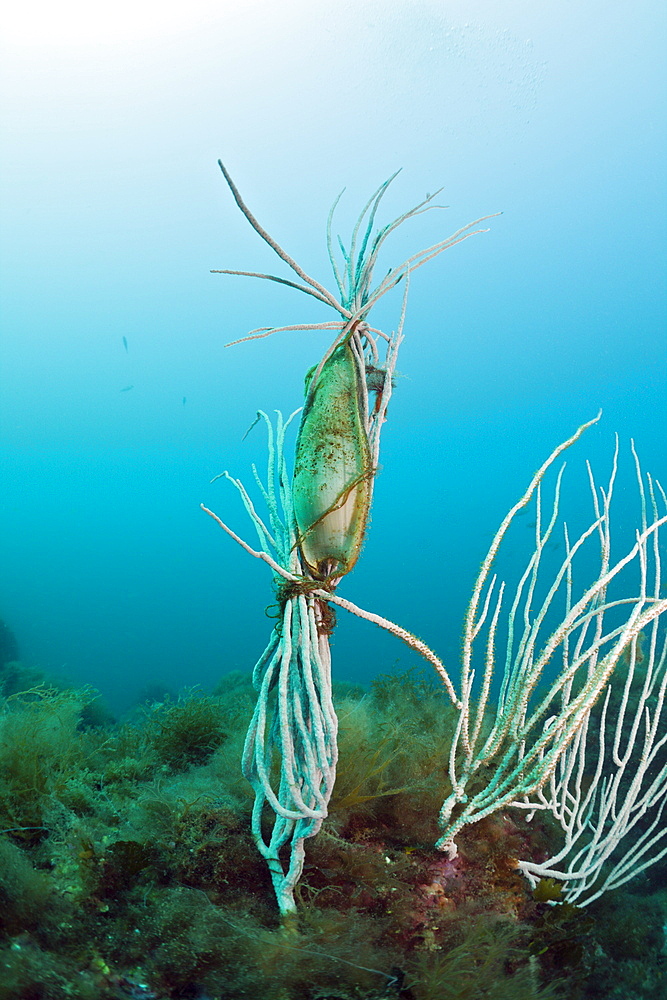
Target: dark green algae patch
127 868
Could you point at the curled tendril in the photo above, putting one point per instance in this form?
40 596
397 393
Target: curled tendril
287 590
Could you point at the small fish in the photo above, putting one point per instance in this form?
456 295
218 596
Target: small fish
127 388
125 345
184 400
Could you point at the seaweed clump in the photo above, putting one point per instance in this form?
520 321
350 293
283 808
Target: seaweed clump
185 733
127 867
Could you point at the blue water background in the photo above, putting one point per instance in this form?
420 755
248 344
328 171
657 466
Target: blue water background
551 113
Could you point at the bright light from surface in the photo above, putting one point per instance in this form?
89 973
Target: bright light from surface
77 22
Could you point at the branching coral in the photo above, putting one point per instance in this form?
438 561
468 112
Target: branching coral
316 524
314 533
